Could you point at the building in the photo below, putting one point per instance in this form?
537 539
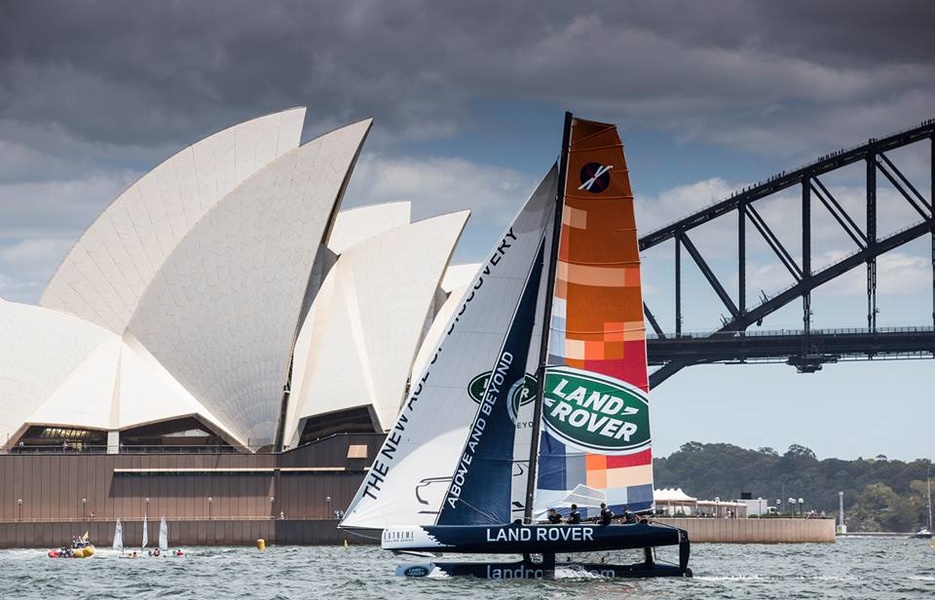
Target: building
224 300
223 346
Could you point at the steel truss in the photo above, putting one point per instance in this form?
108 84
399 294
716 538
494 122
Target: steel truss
736 345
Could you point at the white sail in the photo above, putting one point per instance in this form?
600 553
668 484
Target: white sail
163 535
414 467
118 536
145 534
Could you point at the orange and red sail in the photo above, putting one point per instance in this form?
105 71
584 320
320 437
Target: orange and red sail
597 333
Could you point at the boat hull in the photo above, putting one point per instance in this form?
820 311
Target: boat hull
86 551
544 540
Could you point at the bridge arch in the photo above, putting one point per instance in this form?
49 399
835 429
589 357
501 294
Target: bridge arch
808 348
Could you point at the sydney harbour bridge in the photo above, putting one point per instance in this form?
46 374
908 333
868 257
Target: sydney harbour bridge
806 348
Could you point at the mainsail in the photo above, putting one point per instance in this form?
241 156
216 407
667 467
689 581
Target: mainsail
118 536
595 407
145 534
163 535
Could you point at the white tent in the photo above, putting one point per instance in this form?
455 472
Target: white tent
674 501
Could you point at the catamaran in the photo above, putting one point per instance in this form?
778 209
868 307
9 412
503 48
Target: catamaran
510 418
926 532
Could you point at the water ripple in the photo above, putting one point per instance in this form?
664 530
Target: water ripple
885 569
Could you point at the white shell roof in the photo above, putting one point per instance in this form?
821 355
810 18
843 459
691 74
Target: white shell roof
458 277
355 225
67 371
47 346
106 273
455 283
222 312
359 339
184 297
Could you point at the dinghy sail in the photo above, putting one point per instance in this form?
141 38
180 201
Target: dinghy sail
118 537
163 535
507 420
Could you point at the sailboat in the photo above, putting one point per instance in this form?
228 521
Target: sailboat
118 537
511 418
145 541
926 532
163 535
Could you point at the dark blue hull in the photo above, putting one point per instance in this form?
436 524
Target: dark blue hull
544 540
530 539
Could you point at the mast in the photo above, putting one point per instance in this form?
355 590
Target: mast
928 481
546 323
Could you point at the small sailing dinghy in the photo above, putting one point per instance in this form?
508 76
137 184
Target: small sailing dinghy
80 547
510 419
145 541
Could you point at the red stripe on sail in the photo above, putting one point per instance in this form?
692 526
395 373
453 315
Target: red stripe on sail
630 460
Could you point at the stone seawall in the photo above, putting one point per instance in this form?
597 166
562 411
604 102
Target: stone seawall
756 531
245 532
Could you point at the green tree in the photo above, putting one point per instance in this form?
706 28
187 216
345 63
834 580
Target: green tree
880 494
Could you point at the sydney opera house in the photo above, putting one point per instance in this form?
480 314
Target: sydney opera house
223 343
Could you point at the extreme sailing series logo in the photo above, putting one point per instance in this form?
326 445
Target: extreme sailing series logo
595 412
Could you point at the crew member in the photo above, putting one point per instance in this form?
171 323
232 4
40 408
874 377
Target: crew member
606 514
574 517
628 517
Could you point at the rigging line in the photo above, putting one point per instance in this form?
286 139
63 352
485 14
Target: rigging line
361 535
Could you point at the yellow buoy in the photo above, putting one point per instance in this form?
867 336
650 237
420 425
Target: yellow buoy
261 544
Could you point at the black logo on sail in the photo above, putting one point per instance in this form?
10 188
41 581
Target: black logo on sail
595 177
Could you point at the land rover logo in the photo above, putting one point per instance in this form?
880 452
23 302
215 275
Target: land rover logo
595 412
525 394
416 571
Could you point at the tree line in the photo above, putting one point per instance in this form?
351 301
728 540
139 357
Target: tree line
879 494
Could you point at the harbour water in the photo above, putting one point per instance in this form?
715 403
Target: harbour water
858 568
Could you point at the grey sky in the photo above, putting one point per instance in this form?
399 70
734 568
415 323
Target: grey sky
155 73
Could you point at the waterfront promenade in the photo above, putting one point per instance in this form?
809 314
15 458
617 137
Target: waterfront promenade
755 531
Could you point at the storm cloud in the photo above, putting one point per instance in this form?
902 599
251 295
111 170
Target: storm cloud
95 93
